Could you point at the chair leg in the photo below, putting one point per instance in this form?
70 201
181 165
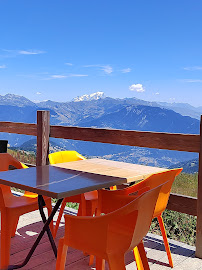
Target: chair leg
143 256
138 259
59 218
7 224
82 207
15 224
116 262
90 211
90 207
100 264
91 260
62 254
165 239
80 210
94 207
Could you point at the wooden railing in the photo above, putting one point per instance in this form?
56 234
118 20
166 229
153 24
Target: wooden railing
169 141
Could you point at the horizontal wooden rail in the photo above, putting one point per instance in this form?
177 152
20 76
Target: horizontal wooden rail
183 204
18 128
169 141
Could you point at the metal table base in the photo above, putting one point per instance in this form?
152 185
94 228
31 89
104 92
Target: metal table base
45 228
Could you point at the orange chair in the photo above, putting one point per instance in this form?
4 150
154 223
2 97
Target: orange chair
87 201
110 236
28 193
148 183
12 207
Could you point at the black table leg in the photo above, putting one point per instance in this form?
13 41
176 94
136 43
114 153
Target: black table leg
44 229
42 203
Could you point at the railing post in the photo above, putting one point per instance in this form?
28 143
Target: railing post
199 202
43 131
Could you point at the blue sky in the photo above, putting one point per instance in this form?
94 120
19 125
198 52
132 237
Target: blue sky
57 50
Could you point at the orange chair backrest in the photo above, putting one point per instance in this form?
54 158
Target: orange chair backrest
145 207
166 178
116 232
64 156
6 160
134 219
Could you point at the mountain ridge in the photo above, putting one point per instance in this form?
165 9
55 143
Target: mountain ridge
15 100
184 109
128 114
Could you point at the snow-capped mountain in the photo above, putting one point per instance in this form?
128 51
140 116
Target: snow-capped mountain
94 96
15 100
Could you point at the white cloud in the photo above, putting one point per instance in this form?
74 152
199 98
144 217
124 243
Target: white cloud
172 99
15 53
69 64
3 66
157 93
38 93
126 70
68 76
58 76
136 87
193 68
106 68
30 52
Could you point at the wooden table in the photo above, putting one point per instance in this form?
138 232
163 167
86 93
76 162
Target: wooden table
128 171
68 179
56 183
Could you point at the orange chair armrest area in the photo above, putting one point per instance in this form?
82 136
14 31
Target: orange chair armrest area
93 230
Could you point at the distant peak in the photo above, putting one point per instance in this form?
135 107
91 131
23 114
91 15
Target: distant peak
12 96
94 96
15 100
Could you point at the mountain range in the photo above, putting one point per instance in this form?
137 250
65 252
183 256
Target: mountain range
96 110
190 166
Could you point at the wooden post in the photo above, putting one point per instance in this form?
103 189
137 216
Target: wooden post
199 202
43 131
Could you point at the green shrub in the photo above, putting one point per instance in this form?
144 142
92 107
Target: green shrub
179 226
186 184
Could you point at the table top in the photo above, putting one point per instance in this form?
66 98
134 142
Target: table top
130 172
56 182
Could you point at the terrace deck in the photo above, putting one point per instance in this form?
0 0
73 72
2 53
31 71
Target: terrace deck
43 258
